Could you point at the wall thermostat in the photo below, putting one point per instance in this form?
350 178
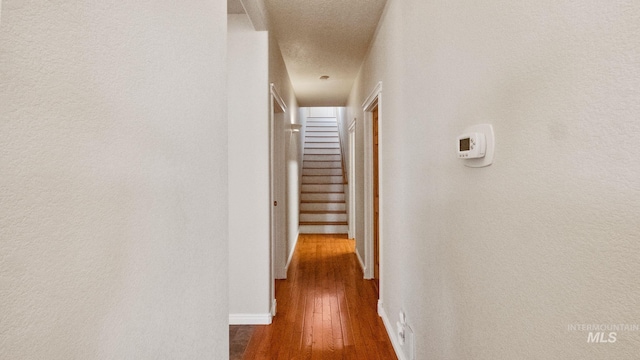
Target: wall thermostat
471 145
476 146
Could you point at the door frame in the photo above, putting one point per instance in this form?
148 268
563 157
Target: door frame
351 185
372 101
277 217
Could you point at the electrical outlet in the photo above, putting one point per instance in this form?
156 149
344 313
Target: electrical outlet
410 343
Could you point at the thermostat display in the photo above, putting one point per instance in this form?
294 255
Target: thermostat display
471 145
465 144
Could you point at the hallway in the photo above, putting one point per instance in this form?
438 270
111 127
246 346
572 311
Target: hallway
326 310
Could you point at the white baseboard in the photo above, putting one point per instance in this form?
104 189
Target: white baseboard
250 319
391 332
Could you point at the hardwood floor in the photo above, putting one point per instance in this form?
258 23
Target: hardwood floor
326 310
239 336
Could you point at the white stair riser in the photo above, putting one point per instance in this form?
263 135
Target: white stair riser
322 140
319 157
322 151
323 207
324 188
327 217
322 145
322 125
322 119
312 122
322 197
324 229
322 180
321 129
320 172
322 133
322 157
322 165
327 132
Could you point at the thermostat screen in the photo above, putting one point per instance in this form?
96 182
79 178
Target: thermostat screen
464 144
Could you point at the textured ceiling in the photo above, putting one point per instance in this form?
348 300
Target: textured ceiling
323 37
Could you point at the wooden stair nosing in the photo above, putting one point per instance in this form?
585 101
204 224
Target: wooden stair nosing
327 161
338 183
322 155
317 161
325 168
322 167
322 192
323 223
323 212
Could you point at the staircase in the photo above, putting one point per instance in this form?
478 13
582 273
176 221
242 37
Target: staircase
322 207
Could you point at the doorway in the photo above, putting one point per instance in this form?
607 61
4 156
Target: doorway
376 200
277 190
374 191
352 180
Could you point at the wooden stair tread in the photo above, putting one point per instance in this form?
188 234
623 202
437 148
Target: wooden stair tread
321 167
324 183
323 212
322 192
323 223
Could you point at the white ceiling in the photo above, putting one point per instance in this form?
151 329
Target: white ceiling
322 37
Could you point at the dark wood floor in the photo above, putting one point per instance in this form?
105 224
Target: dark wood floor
239 336
325 308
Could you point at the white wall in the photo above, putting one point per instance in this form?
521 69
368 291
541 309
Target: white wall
113 138
254 62
495 263
293 143
249 247
343 128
